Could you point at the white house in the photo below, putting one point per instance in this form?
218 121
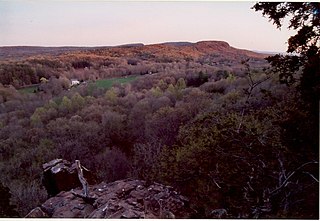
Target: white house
74 82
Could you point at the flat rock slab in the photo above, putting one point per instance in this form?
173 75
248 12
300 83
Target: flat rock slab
61 175
121 199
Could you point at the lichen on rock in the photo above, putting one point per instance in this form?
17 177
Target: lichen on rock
128 198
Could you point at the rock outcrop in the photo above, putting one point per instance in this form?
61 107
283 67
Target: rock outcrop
127 198
61 175
121 199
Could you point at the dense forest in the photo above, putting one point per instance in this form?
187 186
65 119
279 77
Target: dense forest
221 127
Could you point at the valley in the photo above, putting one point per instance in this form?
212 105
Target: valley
206 118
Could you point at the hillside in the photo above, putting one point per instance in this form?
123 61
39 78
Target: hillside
175 50
19 52
207 119
24 66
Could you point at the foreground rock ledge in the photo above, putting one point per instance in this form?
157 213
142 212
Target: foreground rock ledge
61 175
120 199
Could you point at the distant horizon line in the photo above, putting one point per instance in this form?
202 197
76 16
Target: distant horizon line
137 44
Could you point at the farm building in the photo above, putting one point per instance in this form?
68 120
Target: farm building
74 82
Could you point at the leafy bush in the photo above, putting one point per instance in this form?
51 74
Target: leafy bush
111 164
81 64
18 74
6 209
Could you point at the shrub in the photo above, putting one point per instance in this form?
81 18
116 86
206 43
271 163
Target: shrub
112 164
6 209
132 61
195 80
27 195
81 64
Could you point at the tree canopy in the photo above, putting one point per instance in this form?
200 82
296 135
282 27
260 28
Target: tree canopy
304 17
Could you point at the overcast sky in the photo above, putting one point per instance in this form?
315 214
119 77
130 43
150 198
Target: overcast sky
106 23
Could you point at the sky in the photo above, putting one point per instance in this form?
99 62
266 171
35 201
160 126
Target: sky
109 23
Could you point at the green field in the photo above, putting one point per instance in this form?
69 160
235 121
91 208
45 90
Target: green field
104 83
107 83
30 89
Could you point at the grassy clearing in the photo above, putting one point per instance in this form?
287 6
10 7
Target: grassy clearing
107 83
30 89
104 83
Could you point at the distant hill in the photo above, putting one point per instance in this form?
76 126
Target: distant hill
178 43
268 52
167 50
26 51
130 45
176 51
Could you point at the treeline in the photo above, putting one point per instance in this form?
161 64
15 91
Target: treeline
227 141
90 66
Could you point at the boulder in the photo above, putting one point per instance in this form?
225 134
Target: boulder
61 175
127 198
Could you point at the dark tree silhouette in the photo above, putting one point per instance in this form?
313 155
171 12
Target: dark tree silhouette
6 210
304 17
302 67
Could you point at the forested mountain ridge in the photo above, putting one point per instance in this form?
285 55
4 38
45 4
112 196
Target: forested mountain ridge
208 119
23 66
202 47
18 52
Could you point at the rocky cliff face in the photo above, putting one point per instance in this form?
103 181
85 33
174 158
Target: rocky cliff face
121 199
61 175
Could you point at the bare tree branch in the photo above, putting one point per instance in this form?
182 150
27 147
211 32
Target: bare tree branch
249 91
312 176
291 174
82 179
